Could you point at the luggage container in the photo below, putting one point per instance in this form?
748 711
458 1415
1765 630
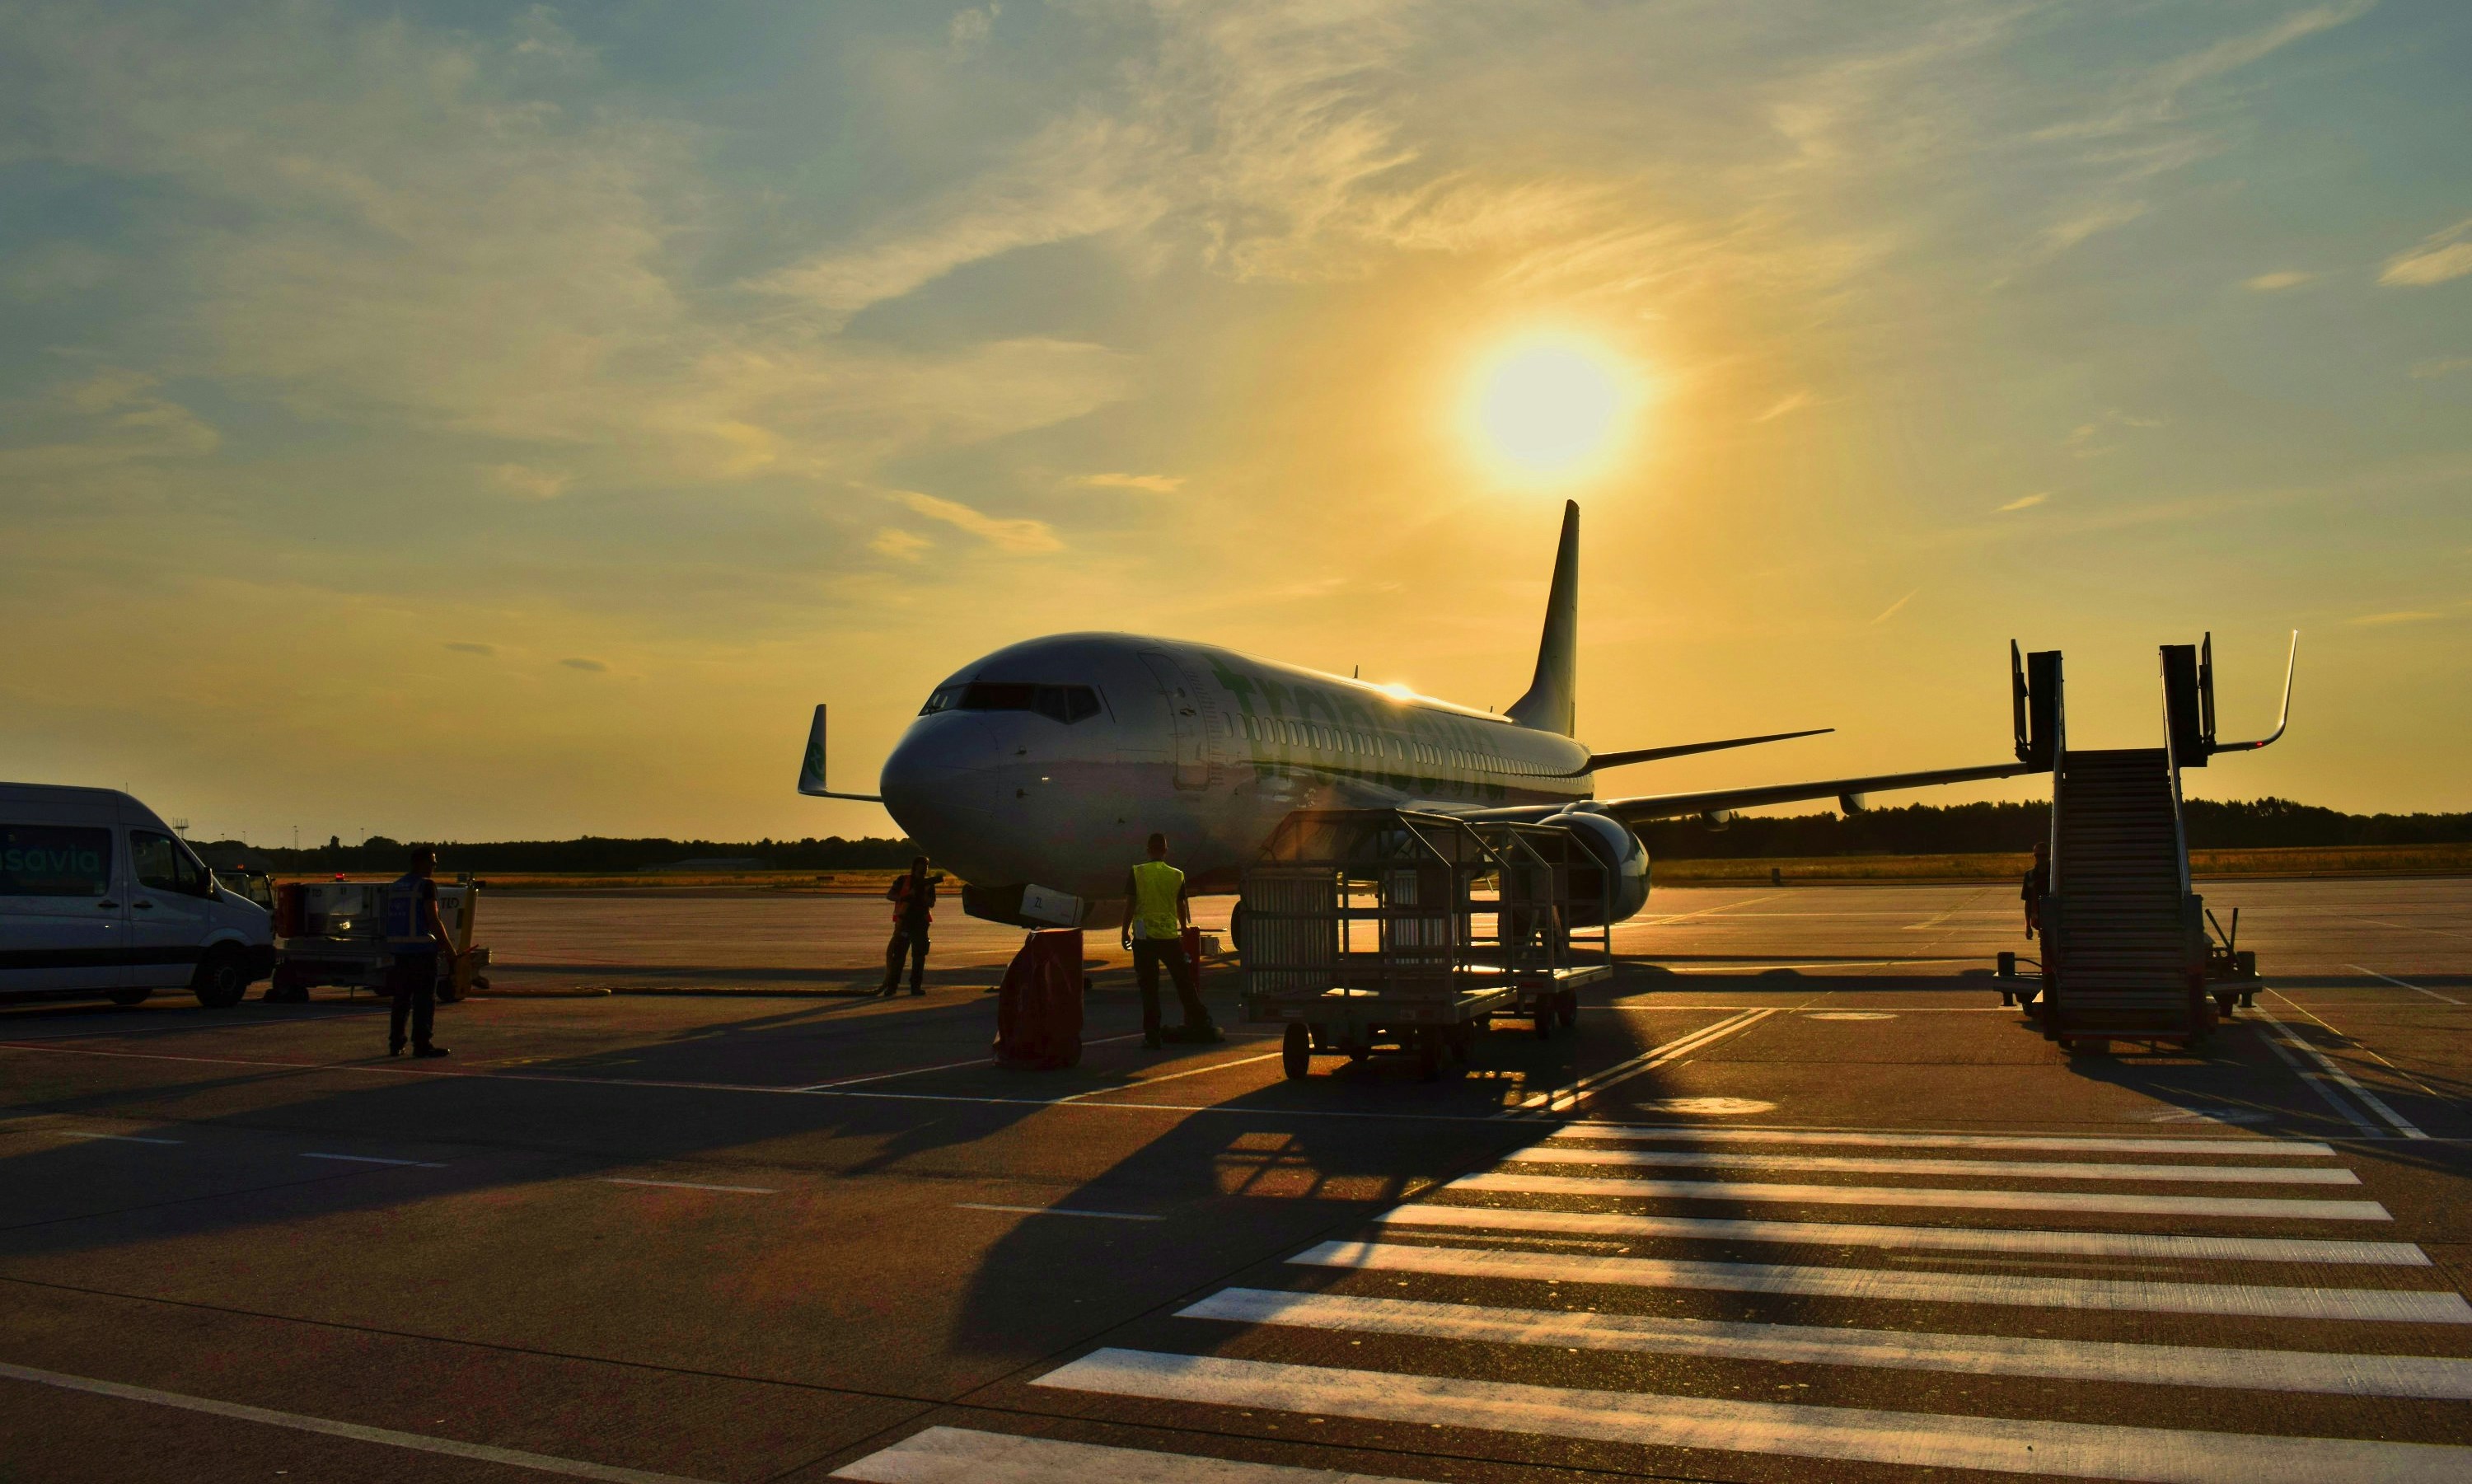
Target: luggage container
1397 930
1038 1006
332 933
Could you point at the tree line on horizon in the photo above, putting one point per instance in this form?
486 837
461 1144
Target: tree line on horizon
1972 828
1912 830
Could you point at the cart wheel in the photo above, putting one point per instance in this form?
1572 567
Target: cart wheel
1566 1007
1428 1054
1544 1015
1357 1055
2223 1005
1296 1053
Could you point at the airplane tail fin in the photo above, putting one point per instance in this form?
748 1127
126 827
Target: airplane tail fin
1551 701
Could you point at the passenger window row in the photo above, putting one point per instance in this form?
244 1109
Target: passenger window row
1284 732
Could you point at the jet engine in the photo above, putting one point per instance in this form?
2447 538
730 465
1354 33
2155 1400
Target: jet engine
1619 852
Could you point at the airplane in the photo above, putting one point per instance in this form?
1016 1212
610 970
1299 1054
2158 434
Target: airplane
1035 773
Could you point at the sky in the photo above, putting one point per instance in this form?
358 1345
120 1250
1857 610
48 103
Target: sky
467 422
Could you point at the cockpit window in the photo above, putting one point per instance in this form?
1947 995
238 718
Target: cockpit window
1066 704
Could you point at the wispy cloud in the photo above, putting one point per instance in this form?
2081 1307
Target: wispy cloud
463 648
2440 365
539 484
2287 279
2440 256
2401 616
1005 535
972 28
1890 611
902 545
579 662
1792 401
1155 484
2025 502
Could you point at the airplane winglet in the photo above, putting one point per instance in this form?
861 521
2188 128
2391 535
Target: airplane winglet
2283 718
811 771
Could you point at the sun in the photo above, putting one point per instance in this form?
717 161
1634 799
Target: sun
1549 408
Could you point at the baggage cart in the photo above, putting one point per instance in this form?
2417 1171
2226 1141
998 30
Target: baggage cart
1399 931
333 933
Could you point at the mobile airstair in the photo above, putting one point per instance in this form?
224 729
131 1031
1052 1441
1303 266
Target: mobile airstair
2126 951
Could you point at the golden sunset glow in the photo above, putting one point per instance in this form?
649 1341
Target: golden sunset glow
1550 408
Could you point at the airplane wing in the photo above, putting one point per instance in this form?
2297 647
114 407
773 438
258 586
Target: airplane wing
1665 806
1686 749
1848 792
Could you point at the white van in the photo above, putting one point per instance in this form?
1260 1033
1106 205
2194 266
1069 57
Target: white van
99 897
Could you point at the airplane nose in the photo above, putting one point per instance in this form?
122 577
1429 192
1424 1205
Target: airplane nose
939 786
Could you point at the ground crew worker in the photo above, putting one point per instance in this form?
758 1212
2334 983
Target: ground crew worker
415 937
914 908
2039 885
1157 914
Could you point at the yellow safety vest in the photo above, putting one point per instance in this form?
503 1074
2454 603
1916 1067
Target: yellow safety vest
1155 886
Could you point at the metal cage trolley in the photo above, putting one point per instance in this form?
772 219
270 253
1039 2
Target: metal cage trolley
1396 930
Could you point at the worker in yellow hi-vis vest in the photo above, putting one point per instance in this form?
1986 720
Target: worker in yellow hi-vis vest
1157 913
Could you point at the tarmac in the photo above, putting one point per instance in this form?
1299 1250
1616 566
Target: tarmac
1799 1199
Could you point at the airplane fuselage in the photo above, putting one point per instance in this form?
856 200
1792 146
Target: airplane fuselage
1049 762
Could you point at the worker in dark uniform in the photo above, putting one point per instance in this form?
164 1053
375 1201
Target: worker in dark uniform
2039 885
1157 914
415 937
913 907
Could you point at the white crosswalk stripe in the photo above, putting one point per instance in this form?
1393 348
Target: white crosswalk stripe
1851 1233
1676 1133
2177 1365
2375 1306
1898 1195
1907 1439
2005 1169
1923 1293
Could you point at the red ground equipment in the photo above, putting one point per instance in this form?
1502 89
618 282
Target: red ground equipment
1038 1008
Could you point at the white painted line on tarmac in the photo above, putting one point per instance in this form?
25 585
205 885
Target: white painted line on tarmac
1646 1062
2079 1360
1190 1072
2375 1104
955 1455
913 1071
370 1158
1725 906
688 1184
2321 1084
1843 1233
515 1458
2400 984
1647 1189
1058 1211
1689 1133
1911 1440
2379 1306
1908 1164
117 1138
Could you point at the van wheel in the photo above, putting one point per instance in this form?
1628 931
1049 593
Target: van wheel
1295 1052
221 980
130 996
